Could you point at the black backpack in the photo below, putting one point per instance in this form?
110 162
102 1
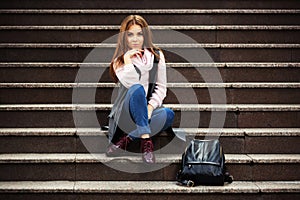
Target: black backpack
203 163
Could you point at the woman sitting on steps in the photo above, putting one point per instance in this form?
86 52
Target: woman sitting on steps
140 69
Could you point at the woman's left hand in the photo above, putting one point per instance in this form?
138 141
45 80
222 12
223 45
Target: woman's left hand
150 110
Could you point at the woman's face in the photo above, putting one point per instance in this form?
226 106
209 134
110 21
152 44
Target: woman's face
135 37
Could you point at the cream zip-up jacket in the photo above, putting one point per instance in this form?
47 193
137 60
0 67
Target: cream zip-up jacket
128 76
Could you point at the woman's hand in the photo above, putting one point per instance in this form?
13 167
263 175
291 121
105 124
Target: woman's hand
150 110
130 54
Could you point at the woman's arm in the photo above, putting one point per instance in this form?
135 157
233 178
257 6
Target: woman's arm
160 90
127 74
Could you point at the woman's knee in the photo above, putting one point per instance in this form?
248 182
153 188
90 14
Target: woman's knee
136 90
169 118
170 114
164 113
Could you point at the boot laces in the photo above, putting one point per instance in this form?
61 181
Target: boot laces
148 146
123 142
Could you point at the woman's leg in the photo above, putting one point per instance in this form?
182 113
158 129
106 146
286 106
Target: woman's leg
134 117
134 121
137 105
161 119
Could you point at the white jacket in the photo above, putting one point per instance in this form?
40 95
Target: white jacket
128 76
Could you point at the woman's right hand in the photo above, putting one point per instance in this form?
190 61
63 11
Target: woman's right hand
130 54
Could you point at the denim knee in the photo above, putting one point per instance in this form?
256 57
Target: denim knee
161 120
170 115
137 89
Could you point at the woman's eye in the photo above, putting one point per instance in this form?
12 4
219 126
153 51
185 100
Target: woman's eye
140 34
129 34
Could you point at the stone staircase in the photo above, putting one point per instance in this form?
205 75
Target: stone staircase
254 45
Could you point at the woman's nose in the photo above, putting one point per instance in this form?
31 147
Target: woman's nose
135 38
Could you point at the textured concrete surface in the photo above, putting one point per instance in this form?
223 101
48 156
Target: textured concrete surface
145 187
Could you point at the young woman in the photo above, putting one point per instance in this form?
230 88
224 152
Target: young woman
137 112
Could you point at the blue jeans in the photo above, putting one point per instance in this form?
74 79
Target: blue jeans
134 118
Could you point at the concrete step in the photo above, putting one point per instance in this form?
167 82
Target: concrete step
189 4
15 72
153 16
72 167
83 140
261 93
124 190
78 52
186 115
161 34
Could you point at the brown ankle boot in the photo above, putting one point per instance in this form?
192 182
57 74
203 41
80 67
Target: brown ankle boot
119 148
147 151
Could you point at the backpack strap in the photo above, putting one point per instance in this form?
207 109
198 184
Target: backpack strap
152 76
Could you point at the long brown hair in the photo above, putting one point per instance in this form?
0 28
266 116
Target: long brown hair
122 46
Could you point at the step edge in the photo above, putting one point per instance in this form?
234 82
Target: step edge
165 46
51 158
150 11
232 85
153 27
174 65
274 158
223 132
168 187
175 107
